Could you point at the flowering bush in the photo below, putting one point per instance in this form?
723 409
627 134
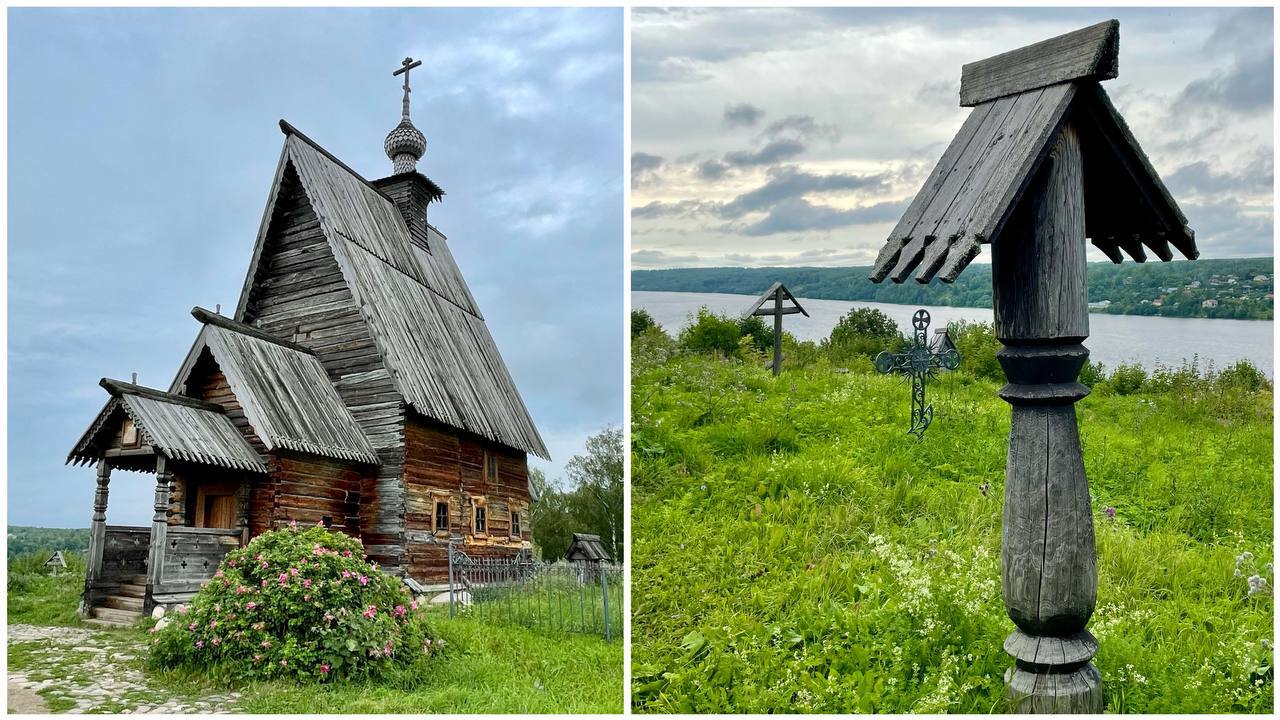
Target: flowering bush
296 603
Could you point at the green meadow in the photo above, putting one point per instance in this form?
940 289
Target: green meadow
795 550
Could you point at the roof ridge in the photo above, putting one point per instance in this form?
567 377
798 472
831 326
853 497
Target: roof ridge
212 318
120 387
288 129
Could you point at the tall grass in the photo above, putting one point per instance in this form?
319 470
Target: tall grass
37 596
795 550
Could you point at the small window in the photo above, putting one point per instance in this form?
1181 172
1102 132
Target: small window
491 468
481 523
442 515
515 524
129 435
327 520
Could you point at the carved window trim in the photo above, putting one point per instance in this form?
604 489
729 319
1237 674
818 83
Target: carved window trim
479 516
130 435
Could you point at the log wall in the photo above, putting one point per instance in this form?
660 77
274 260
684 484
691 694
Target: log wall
307 489
299 294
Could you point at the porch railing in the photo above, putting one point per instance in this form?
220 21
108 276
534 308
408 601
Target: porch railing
191 557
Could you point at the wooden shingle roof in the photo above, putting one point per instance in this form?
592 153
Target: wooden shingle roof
1020 106
282 387
767 296
179 427
422 317
586 547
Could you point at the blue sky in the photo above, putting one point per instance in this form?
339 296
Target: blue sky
797 136
142 145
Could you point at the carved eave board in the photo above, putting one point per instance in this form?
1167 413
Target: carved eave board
980 179
791 304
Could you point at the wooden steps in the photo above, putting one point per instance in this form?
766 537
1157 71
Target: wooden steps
122 609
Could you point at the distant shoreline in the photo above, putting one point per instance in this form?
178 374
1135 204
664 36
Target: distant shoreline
1217 289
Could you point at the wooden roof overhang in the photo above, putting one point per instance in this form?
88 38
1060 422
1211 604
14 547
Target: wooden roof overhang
1021 100
284 390
421 315
757 308
175 426
586 547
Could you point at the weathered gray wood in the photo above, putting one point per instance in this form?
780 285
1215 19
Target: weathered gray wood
1089 53
159 530
777 331
1038 266
97 536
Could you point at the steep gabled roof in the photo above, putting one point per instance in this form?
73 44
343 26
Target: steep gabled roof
586 547
981 176
282 387
179 427
415 303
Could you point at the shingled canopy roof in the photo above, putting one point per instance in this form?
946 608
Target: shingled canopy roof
767 296
178 427
416 304
1021 100
586 547
282 387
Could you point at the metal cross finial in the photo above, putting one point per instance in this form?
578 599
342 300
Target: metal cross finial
405 66
919 362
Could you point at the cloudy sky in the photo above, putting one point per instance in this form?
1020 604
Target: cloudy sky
142 145
798 136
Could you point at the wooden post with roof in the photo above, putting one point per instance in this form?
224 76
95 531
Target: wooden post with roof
780 296
1043 162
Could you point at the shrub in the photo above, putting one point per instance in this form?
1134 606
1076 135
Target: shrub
1127 379
296 603
1093 373
1242 376
753 327
977 345
862 331
710 332
641 321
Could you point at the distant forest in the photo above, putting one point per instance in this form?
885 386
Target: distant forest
23 540
1240 288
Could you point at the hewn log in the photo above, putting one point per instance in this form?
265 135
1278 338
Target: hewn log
1088 53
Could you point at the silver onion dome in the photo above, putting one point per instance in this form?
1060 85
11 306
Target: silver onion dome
405 144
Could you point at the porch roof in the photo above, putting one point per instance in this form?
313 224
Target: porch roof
284 390
178 427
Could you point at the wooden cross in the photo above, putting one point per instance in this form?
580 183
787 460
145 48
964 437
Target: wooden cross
1043 162
779 294
919 362
405 66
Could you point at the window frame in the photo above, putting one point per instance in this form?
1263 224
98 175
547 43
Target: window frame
435 515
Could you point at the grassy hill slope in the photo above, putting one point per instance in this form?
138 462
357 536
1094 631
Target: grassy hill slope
795 550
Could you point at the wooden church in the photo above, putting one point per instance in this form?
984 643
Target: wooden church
356 386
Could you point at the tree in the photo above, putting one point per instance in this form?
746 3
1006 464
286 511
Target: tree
863 331
641 321
549 518
598 488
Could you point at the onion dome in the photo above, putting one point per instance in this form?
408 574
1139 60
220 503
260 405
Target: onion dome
405 144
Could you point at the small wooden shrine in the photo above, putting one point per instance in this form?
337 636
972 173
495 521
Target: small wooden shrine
357 387
1043 162
784 303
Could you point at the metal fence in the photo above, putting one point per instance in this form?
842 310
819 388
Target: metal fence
584 597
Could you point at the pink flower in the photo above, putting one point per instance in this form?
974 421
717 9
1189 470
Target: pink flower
317 550
266 644
264 564
219 573
293 524
306 598
306 583
217 640
370 611
264 582
293 571
200 643
191 627
257 658
320 522
284 579
346 553
250 605
324 668
364 580
413 604
240 589
399 611
328 616
213 624
231 563
346 574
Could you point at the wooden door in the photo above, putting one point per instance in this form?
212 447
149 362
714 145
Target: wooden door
216 505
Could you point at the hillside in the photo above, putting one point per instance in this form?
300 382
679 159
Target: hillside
1204 288
794 550
23 539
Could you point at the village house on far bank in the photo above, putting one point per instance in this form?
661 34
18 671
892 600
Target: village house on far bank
357 386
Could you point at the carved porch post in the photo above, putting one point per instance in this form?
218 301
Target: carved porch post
159 530
97 536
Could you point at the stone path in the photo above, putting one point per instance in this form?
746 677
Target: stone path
84 670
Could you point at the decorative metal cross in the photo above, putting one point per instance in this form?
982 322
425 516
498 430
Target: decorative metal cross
408 64
919 362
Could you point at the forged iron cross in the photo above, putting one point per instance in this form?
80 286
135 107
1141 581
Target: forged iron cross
405 66
920 361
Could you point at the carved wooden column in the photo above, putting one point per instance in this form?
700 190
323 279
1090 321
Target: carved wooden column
1048 564
244 497
159 530
97 535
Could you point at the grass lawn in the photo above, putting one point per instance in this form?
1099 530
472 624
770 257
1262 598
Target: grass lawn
793 549
486 668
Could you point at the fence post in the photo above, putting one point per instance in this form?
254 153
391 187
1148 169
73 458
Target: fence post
604 584
450 553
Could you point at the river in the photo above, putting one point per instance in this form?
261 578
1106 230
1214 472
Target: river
1113 339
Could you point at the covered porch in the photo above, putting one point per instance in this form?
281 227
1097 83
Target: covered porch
203 470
